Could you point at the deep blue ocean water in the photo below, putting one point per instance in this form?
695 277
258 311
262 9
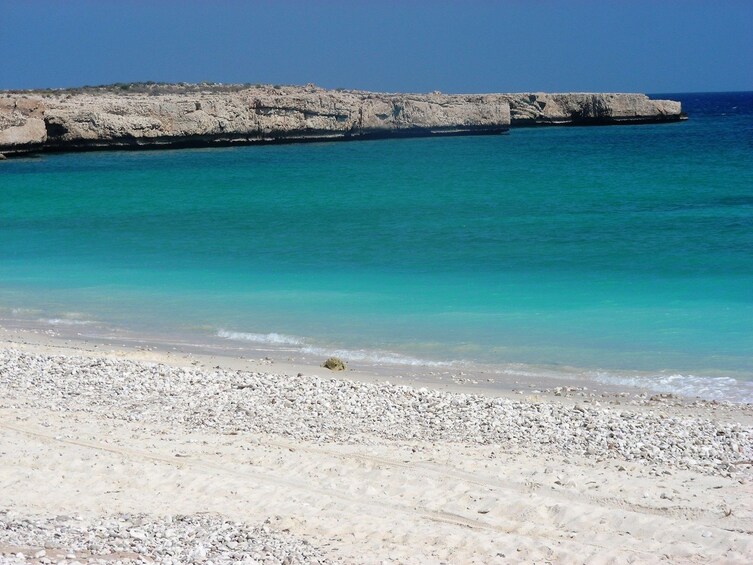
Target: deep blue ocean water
612 249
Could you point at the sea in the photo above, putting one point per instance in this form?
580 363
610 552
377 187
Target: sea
621 253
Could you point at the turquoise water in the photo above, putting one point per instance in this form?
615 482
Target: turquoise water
609 248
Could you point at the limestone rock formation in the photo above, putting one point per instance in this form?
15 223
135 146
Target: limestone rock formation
169 115
160 115
22 125
588 108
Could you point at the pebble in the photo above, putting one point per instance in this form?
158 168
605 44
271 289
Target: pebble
323 410
172 540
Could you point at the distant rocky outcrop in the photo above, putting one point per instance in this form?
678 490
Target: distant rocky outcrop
157 115
172 116
590 109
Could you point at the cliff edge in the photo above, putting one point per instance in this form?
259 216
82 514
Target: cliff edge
578 108
186 116
147 115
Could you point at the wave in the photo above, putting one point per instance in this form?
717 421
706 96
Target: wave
376 357
16 312
687 385
365 356
708 388
268 339
66 322
23 311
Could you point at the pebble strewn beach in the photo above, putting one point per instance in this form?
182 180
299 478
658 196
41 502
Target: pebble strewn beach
333 410
136 539
138 456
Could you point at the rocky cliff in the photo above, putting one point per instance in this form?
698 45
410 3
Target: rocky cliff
193 116
151 115
590 109
21 123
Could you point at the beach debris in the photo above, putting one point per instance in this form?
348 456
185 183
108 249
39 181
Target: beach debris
334 364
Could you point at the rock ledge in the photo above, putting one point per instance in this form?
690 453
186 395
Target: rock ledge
146 115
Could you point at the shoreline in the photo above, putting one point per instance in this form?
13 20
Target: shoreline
235 350
128 443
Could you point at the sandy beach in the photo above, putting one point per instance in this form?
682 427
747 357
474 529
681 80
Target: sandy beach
125 454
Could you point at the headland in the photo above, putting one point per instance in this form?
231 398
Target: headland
151 116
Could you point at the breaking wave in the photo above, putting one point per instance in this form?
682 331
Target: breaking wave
266 339
707 388
358 355
67 322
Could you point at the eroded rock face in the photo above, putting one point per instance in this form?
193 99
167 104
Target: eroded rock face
269 114
586 108
106 118
202 115
21 123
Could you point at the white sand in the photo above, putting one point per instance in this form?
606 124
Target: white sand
373 499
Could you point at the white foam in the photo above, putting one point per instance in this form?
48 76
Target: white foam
708 388
66 322
269 339
19 312
375 357
534 373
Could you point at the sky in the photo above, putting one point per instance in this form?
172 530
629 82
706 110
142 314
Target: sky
656 46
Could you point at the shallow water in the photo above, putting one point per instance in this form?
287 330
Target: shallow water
613 249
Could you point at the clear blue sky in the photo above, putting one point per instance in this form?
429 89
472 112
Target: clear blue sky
408 45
